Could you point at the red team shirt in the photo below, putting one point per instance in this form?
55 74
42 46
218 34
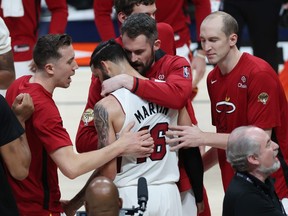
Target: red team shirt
251 94
39 193
24 30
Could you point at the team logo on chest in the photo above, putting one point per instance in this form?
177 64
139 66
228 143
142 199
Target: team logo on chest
243 82
225 106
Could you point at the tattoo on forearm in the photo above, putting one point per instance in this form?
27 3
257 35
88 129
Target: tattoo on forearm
101 124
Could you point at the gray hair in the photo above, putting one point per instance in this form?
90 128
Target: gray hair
241 144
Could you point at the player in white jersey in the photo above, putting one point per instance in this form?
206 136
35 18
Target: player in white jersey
161 168
115 111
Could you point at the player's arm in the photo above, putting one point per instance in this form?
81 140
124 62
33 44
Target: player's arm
16 153
102 18
172 93
59 16
192 161
107 112
105 129
7 71
202 9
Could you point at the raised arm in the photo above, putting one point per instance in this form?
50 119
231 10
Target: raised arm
172 93
16 153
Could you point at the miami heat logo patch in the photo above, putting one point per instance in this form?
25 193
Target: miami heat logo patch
88 116
263 98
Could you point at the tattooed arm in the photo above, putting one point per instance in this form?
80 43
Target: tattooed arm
108 117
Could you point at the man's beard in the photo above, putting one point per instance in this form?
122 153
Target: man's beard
269 170
146 67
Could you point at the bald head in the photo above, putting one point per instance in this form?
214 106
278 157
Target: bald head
225 21
102 198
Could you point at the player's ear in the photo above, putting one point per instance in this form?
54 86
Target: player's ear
157 44
122 17
49 68
233 39
106 67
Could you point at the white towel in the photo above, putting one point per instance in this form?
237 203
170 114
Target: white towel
12 8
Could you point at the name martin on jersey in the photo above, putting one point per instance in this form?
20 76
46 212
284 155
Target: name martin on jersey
150 109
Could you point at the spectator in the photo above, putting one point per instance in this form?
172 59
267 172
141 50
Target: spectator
243 90
102 198
259 23
49 142
252 154
14 150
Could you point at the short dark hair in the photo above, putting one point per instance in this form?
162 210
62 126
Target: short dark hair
107 50
126 6
47 48
138 24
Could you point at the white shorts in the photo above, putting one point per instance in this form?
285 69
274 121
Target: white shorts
163 200
189 207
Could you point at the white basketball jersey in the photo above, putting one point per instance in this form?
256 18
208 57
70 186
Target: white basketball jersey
162 166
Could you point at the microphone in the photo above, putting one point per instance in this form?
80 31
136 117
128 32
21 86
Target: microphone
142 194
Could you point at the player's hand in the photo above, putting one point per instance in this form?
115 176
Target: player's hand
137 144
68 208
198 67
117 82
184 137
23 106
200 207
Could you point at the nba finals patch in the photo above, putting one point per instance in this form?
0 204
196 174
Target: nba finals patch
186 72
263 98
88 116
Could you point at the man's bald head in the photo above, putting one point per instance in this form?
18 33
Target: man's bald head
102 198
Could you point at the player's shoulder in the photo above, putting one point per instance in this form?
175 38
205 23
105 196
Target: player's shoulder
108 103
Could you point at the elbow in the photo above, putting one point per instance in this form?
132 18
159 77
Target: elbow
70 173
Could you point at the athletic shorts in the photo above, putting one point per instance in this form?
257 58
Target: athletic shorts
163 200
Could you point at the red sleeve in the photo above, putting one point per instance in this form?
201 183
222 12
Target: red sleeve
103 21
86 137
59 16
172 93
202 9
